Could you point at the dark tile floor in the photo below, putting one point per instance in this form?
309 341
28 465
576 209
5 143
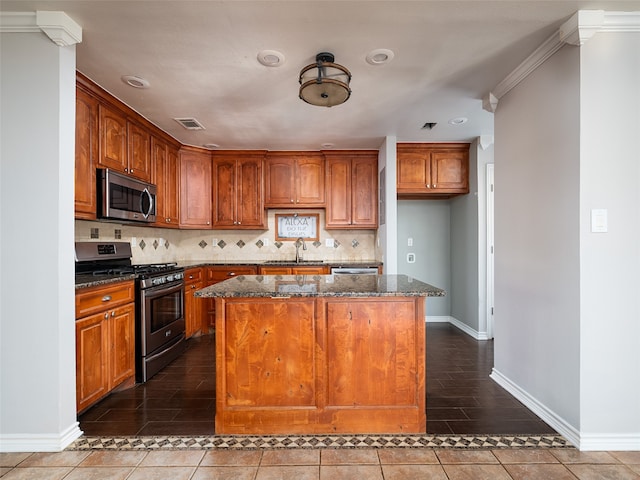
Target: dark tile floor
180 400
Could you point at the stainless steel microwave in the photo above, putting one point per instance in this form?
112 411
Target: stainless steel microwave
121 197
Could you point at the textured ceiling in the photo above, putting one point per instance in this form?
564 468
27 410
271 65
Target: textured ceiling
200 58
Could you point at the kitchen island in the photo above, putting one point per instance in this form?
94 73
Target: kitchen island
304 354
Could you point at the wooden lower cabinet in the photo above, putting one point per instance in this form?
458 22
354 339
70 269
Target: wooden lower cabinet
193 307
105 342
216 274
305 270
304 365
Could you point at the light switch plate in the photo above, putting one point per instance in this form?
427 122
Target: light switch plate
599 220
411 258
409 242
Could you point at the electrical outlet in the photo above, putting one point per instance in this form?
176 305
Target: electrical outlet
265 241
409 242
134 242
214 242
411 258
329 242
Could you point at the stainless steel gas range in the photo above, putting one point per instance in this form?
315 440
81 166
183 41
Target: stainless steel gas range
160 324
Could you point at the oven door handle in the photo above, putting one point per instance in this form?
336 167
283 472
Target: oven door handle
146 193
162 290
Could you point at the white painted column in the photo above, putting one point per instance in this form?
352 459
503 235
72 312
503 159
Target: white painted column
37 313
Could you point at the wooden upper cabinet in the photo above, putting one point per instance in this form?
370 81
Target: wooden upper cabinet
294 179
432 169
139 154
165 175
86 155
238 200
113 139
124 145
195 188
352 189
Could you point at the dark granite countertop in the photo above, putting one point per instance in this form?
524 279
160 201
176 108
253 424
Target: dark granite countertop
89 280
280 263
321 286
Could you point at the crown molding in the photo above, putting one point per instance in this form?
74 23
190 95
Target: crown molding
58 26
575 31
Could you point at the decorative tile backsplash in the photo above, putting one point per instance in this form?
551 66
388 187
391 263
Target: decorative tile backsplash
228 245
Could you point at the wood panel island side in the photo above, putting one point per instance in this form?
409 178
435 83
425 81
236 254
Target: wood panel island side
302 354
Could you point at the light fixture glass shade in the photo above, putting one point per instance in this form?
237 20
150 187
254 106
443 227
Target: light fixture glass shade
325 83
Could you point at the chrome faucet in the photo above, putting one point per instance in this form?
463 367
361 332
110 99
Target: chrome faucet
299 243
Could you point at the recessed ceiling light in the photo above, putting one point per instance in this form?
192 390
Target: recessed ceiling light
379 56
458 121
211 145
135 81
271 58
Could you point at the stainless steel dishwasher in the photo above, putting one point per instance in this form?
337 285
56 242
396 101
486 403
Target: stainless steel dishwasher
354 271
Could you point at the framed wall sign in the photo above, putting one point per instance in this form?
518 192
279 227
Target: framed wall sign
291 226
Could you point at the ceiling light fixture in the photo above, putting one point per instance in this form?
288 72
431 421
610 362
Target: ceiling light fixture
134 81
325 83
379 56
458 121
270 58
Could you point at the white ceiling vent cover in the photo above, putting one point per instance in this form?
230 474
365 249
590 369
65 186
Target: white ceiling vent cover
190 123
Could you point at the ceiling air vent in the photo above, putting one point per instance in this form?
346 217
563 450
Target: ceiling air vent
189 123
429 125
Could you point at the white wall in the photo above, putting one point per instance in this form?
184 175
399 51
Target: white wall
537 257
610 262
428 223
469 247
37 354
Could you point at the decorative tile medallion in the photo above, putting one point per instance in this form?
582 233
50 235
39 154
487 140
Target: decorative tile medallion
336 243
166 244
155 244
317 244
354 243
319 441
117 234
95 233
222 244
278 244
142 244
259 244
240 243
203 244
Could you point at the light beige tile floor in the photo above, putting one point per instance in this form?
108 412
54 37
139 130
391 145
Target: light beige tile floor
323 464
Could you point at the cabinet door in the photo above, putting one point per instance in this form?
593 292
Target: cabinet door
172 188
193 309
280 182
139 153
364 192
113 139
450 171
195 189
224 192
275 271
309 270
310 181
121 344
338 192
413 169
249 195
91 360
159 178
86 155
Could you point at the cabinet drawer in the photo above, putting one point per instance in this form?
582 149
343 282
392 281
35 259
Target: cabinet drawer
96 299
218 274
192 275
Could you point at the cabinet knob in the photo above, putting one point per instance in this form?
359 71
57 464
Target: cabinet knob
428 185
113 314
126 170
231 274
131 171
292 200
106 315
435 186
168 220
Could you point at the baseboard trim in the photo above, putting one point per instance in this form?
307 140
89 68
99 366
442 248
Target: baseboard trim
610 442
16 442
458 324
550 417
